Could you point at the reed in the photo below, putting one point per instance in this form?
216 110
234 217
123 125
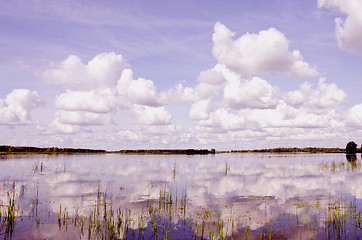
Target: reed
169 216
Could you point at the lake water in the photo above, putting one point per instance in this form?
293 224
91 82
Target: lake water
231 195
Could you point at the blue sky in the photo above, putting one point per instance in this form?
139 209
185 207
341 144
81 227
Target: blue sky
180 74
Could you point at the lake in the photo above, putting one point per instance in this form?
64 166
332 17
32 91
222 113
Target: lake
221 196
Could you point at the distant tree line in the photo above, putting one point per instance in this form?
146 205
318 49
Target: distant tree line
49 150
169 151
54 150
296 150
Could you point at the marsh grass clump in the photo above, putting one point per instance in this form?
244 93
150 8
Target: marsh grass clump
340 166
343 221
168 217
8 218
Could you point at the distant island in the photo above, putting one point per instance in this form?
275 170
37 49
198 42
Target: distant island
4 149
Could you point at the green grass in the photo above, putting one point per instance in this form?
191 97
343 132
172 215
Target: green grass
168 215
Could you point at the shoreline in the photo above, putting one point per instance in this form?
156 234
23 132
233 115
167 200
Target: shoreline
6 150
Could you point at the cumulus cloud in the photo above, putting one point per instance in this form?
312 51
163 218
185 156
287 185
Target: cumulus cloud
325 96
16 107
229 103
151 115
95 91
354 116
82 118
139 91
157 136
233 104
102 71
265 52
289 117
348 28
211 82
69 122
103 101
223 119
212 76
254 109
180 94
200 110
256 93
61 127
90 95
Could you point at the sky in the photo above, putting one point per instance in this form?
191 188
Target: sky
119 74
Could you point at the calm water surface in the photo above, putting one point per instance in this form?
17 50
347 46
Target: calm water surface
233 196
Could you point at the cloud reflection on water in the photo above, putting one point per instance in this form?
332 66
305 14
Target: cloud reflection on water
254 187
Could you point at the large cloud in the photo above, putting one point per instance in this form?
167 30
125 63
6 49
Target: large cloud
82 118
95 91
254 109
230 102
325 96
222 119
158 136
211 82
90 95
152 115
16 107
103 101
140 91
101 72
200 110
236 105
354 116
287 116
180 94
348 28
256 93
212 76
265 52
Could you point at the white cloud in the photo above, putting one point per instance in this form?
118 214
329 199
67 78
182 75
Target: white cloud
140 91
200 110
222 119
354 116
325 96
262 115
348 28
265 52
212 81
207 91
151 115
101 72
91 96
261 118
156 136
95 101
180 94
97 90
250 107
82 118
212 77
129 135
256 93
16 107
64 128
229 103
286 116
106 68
